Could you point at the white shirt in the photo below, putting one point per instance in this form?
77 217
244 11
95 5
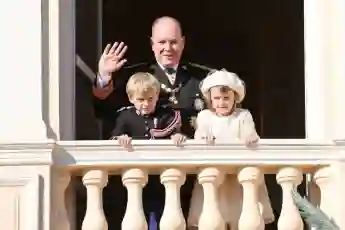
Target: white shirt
171 77
102 81
235 127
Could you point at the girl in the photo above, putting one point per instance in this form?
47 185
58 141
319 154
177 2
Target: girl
223 122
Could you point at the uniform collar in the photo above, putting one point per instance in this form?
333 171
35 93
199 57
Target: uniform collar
153 114
163 68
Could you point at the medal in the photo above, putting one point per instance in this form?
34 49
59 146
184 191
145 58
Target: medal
173 99
192 122
172 92
199 103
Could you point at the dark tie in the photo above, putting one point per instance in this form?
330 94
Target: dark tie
170 70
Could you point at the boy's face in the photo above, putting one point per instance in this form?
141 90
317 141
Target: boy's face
222 100
145 102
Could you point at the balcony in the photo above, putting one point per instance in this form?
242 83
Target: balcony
35 192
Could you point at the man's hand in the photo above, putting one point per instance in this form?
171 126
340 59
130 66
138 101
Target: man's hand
178 139
112 59
125 141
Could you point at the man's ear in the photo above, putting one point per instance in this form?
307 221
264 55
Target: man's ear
151 41
183 40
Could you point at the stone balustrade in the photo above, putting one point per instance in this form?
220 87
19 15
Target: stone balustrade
95 161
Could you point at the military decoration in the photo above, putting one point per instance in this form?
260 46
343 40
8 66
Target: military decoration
199 104
172 92
192 122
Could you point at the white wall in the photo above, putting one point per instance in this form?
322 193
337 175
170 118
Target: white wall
325 68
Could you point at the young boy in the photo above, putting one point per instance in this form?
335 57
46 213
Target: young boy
146 120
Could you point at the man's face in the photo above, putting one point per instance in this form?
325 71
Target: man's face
167 43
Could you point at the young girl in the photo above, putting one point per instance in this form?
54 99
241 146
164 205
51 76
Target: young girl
223 122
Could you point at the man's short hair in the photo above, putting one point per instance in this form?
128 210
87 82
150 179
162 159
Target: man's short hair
142 83
157 20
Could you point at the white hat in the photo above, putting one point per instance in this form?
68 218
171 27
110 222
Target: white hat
224 78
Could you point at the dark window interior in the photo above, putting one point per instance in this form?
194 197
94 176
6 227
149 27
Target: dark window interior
262 41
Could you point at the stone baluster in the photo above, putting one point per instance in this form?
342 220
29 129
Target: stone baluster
94 181
290 219
60 217
134 180
210 218
172 218
322 179
338 191
251 219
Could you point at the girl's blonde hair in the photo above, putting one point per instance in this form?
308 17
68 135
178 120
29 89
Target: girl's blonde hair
142 83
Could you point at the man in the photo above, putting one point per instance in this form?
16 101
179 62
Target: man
179 81
179 89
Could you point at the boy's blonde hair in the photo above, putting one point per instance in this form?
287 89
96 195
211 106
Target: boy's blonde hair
142 83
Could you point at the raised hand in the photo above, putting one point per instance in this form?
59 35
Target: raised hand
112 58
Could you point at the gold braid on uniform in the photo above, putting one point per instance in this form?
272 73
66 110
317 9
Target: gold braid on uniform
202 66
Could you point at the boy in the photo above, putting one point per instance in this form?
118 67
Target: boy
146 120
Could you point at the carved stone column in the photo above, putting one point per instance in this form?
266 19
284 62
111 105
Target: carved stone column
210 218
60 182
250 219
172 218
134 180
94 181
322 178
290 219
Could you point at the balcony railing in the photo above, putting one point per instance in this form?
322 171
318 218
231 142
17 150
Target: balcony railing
96 160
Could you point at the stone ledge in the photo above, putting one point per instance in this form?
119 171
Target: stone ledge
162 154
26 153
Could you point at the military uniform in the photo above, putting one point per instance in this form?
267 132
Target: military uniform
161 124
184 95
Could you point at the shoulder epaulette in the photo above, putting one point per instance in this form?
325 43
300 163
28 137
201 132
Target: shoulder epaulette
203 67
124 108
136 65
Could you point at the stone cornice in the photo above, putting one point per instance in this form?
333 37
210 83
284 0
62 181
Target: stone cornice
26 153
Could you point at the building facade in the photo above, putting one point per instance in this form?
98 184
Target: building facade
39 155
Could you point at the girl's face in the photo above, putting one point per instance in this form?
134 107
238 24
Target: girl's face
222 100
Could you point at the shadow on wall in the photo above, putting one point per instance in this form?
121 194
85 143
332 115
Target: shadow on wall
45 71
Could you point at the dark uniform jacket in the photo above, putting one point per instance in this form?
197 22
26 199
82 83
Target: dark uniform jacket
188 97
161 124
